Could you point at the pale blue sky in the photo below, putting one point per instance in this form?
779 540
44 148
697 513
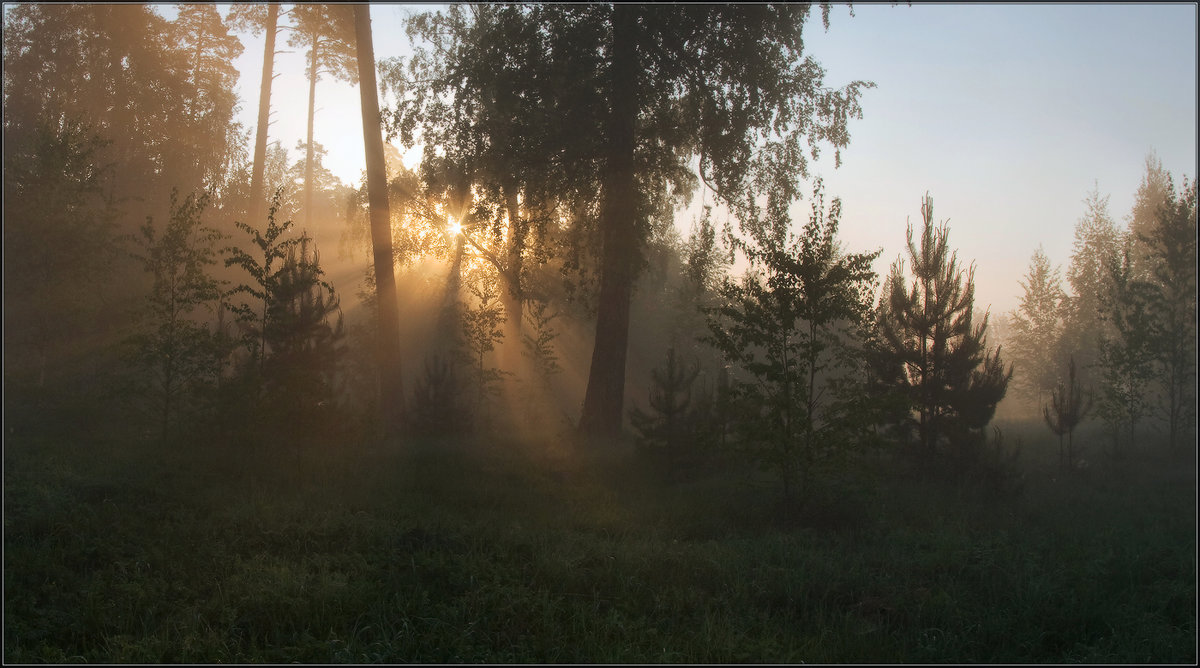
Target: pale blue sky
1005 113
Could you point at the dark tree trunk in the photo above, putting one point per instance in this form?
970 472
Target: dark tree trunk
391 399
604 401
264 111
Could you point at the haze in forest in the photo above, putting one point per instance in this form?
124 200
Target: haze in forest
698 333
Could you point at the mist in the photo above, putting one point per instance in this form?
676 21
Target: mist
591 355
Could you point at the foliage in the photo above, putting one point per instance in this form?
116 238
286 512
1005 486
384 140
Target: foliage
294 347
600 110
181 354
789 326
672 429
59 246
306 347
254 319
204 39
481 322
1097 245
438 406
1170 249
1038 328
1126 361
161 95
539 343
931 352
1067 408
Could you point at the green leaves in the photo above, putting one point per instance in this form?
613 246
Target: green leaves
790 327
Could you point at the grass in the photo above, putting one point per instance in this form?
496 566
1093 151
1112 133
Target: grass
505 552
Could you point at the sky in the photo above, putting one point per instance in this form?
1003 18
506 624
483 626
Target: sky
1007 115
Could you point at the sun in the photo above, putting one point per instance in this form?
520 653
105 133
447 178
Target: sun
454 227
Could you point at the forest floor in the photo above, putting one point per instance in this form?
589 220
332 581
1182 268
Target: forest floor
496 552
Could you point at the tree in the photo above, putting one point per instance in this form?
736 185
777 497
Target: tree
1171 253
1126 361
181 353
931 352
1096 247
59 243
489 162
256 18
1038 327
304 341
789 327
1067 408
210 50
255 318
387 303
329 33
135 78
482 322
622 99
670 429
1151 195
738 72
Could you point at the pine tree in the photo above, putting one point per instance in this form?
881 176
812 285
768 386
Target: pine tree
1067 408
667 428
932 354
303 337
1097 245
178 349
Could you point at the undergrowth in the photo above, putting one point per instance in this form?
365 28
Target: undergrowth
505 552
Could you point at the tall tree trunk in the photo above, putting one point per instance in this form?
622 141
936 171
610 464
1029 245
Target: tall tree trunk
264 111
604 401
312 102
391 400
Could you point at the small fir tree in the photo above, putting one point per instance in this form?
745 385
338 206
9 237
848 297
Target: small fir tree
1067 408
669 428
931 352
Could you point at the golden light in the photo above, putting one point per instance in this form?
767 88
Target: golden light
453 227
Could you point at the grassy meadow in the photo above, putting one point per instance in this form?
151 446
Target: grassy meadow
536 552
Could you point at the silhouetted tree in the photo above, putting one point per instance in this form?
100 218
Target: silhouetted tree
1067 408
254 317
259 18
670 428
329 33
203 36
305 343
790 327
622 98
59 244
932 354
1097 245
1170 244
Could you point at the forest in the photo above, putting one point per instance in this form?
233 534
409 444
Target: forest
493 405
